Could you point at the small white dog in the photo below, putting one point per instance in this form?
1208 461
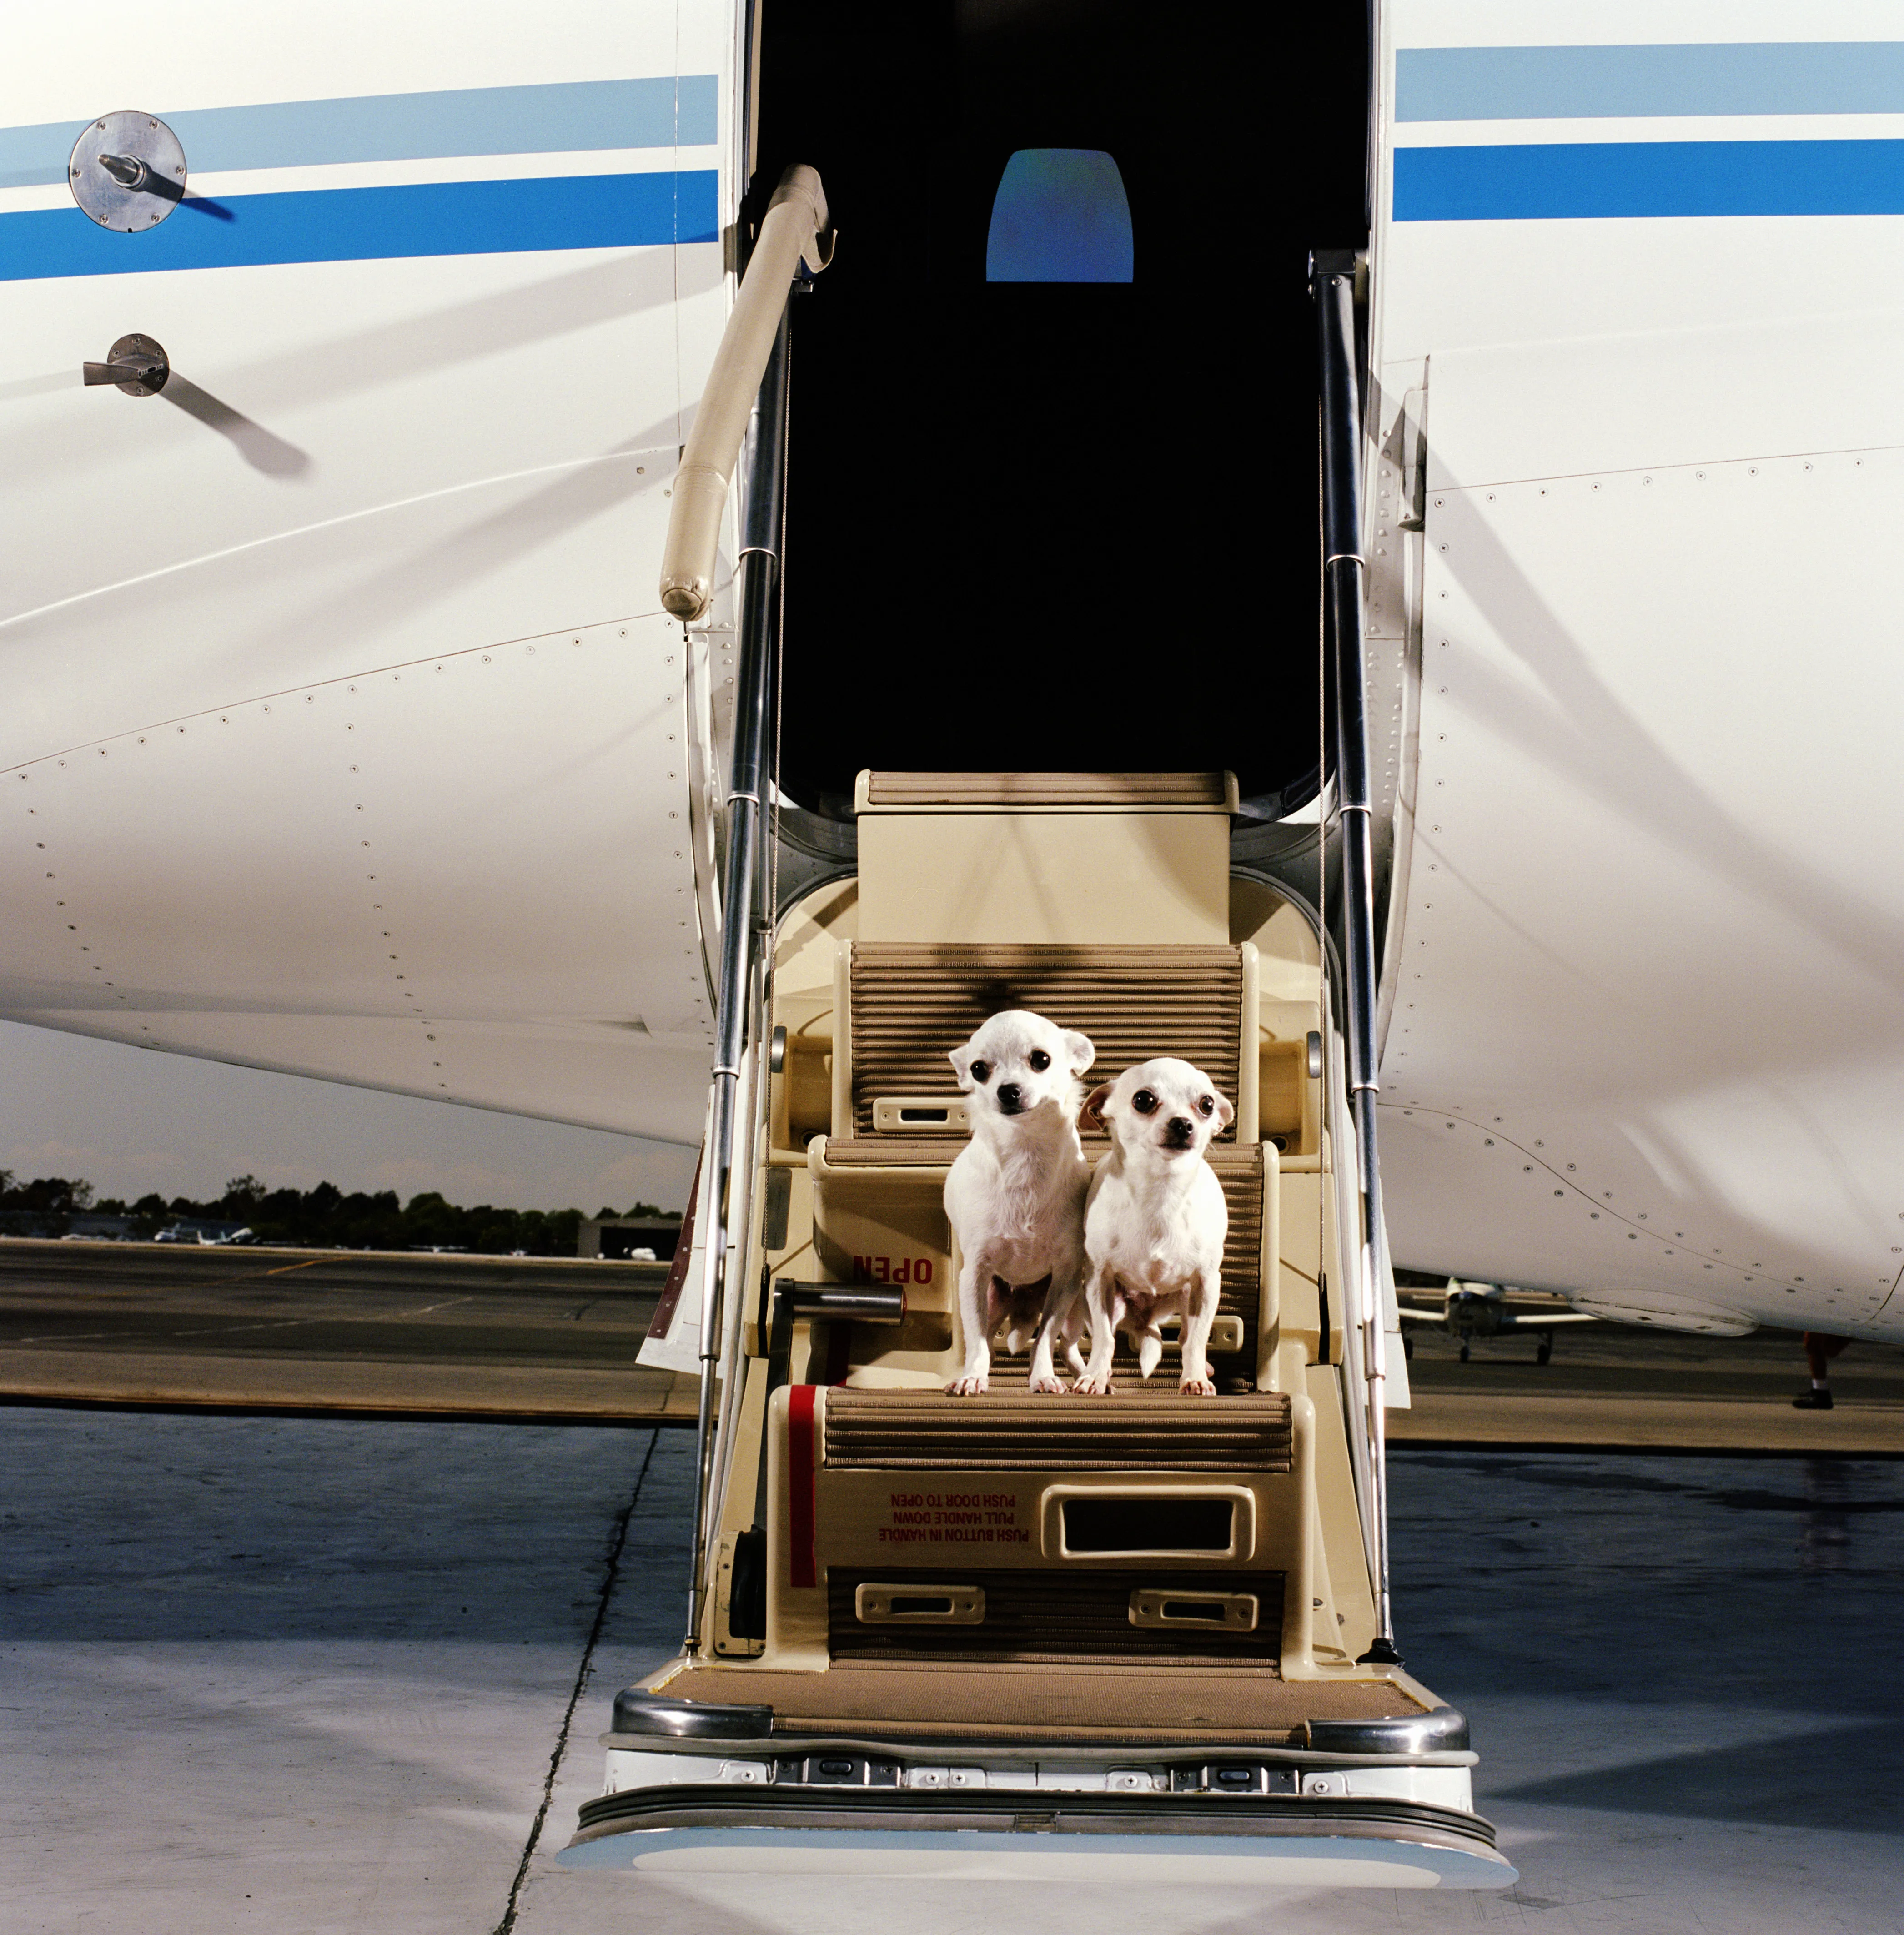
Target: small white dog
1016 1196
1155 1220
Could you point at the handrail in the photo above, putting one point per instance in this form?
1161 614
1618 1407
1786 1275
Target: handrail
753 698
1343 598
793 229
746 928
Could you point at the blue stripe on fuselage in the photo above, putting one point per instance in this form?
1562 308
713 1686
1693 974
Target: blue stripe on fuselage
1628 180
485 218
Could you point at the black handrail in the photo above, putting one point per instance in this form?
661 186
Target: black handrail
1344 602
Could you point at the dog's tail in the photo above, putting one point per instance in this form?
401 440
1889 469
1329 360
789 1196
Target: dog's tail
1149 1349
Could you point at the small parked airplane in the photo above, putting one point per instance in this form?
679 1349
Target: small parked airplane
1468 1311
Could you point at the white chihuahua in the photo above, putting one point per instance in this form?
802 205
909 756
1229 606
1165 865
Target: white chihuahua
1016 1196
1155 1220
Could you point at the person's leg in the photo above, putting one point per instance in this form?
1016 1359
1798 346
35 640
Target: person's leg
1819 1350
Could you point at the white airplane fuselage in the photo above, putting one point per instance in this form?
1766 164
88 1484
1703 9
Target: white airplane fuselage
344 734
1637 421
343 731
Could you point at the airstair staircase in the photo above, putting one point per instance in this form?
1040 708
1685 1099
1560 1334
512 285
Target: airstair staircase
1020 1635
1017 1624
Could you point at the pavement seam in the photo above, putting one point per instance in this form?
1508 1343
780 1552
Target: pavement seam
617 1540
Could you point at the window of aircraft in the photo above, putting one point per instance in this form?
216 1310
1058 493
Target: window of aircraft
1061 215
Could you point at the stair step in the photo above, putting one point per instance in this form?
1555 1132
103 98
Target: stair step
1015 1431
912 1005
1212 791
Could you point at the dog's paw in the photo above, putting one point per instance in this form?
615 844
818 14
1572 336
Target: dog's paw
966 1387
1197 1387
1049 1386
1090 1387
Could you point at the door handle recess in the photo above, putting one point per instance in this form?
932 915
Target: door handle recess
1209 1612
909 1605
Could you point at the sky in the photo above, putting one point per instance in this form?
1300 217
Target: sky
131 1121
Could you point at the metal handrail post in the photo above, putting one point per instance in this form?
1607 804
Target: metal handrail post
1345 1162
762 527
759 567
1343 596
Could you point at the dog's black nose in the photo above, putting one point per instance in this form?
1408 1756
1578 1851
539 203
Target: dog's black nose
1009 1096
1181 1131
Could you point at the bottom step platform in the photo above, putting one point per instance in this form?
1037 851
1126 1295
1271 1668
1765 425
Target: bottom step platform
1026 1703
1024 1771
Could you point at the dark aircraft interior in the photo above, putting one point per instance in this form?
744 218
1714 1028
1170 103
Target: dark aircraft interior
1058 524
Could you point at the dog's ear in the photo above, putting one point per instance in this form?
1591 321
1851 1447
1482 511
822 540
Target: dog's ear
1225 1110
961 1058
1091 1115
1078 1048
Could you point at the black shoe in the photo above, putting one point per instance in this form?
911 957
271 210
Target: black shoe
1812 1400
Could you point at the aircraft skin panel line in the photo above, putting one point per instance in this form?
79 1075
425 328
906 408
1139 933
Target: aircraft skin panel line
1646 1012
364 942
373 511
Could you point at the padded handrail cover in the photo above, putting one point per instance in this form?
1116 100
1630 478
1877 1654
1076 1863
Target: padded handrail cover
795 220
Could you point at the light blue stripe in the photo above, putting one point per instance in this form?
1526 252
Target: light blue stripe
1566 181
626 211
1585 83
556 117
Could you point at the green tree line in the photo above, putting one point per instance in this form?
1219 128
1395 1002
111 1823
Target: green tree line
324 1218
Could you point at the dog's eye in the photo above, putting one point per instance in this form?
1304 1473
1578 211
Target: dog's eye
1205 1104
982 1071
1039 1060
1144 1102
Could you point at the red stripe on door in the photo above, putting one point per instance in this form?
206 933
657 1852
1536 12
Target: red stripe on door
800 1484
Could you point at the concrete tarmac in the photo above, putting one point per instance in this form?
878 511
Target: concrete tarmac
317 1677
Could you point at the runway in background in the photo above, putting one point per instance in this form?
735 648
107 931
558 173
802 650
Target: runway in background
331 1331
383 1334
